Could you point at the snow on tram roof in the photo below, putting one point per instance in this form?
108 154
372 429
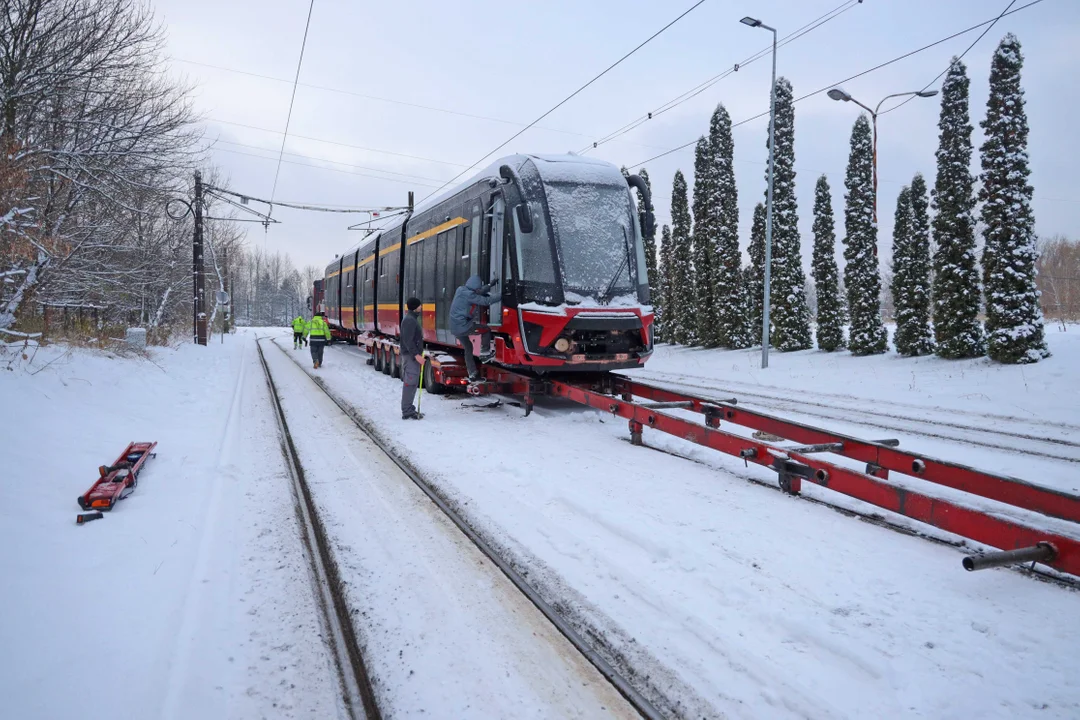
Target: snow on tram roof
566 167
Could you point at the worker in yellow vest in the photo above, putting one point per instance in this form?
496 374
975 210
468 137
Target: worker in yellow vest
318 334
299 332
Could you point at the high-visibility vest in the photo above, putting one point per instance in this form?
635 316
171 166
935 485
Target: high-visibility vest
318 327
299 324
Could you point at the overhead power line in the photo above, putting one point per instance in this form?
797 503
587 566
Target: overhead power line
298 206
292 99
327 160
698 89
569 97
989 27
853 77
336 142
377 98
331 169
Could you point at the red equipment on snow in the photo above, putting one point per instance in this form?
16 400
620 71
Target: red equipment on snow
118 480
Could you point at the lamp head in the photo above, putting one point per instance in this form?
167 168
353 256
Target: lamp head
838 94
751 22
927 93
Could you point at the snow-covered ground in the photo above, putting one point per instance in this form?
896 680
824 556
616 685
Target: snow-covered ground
731 597
725 597
191 599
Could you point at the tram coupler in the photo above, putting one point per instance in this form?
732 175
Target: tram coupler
635 433
791 474
1040 552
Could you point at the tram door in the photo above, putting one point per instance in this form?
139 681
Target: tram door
444 290
495 258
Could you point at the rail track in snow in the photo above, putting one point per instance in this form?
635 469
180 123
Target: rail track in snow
355 682
646 708
840 407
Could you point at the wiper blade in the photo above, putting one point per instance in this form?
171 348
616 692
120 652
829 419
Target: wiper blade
605 296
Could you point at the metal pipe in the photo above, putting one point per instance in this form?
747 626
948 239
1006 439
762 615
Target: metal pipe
769 214
1041 552
688 404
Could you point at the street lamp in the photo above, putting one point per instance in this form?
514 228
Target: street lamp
842 96
752 22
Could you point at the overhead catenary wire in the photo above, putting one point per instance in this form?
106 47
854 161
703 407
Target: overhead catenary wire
940 75
569 97
330 169
297 206
292 100
853 77
698 89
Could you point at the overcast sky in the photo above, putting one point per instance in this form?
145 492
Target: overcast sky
412 92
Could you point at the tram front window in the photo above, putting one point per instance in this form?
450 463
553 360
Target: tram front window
596 237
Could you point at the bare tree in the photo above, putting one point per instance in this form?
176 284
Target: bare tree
1058 278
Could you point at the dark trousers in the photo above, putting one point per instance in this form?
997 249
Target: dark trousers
317 345
470 359
410 378
298 338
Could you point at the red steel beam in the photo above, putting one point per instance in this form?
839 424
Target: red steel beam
1009 490
950 517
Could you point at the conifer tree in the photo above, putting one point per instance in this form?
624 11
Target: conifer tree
730 315
703 329
861 273
681 310
662 300
1014 322
755 273
911 271
956 280
830 312
788 313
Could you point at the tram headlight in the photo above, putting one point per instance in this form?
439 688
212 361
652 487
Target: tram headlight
562 345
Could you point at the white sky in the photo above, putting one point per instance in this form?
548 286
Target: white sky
511 61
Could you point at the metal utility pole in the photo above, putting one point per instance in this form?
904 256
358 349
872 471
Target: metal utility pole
765 305
197 266
842 96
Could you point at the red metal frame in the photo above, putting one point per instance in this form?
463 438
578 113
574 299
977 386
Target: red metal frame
793 467
118 480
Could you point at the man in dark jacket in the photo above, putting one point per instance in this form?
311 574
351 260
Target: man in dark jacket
412 358
465 317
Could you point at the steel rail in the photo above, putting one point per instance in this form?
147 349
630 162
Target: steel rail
632 695
357 693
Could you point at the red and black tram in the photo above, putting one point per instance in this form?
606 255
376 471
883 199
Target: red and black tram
561 235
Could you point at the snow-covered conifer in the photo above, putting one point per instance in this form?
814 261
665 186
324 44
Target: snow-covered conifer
754 278
702 328
957 329
911 271
1014 322
648 239
662 299
789 314
681 309
861 273
730 324
830 309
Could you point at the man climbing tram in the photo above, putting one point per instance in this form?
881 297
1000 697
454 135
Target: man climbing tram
465 319
299 332
412 358
318 333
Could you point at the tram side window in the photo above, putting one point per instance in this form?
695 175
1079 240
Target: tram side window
427 271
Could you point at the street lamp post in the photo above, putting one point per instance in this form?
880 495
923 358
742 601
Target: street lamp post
840 95
769 210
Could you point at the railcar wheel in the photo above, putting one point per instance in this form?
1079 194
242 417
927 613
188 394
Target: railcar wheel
395 364
431 385
377 352
387 353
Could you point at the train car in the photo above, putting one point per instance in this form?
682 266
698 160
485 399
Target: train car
561 235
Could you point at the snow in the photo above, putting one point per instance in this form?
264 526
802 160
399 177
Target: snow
722 596
730 598
191 598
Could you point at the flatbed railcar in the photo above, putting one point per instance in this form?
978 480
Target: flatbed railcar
562 236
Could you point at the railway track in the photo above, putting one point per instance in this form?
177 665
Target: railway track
357 693
636 699
840 408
